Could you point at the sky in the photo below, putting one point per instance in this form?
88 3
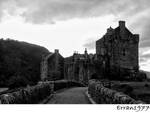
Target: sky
73 25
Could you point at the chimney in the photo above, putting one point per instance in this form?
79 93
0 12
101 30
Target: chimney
122 24
85 52
122 29
56 50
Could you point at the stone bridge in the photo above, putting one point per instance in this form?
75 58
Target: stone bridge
67 92
50 92
75 95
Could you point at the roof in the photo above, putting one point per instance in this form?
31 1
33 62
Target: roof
117 31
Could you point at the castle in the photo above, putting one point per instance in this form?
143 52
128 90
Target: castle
116 58
118 51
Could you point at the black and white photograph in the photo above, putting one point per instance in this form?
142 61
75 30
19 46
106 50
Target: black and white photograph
78 52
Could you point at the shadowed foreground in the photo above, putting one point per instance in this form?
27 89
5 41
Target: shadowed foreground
70 96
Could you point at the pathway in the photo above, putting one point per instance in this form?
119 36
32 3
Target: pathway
74 95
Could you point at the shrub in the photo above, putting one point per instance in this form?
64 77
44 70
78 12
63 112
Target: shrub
21 58
146 85
29 95
141 76
127 89
17 81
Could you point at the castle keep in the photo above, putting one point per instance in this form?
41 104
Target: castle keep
118 51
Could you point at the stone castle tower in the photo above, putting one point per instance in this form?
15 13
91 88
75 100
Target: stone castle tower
52 66
118 50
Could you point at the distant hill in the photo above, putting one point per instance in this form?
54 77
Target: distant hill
20 61
147 73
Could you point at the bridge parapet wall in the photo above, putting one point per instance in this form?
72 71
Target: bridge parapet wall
29 95
35 94
103 95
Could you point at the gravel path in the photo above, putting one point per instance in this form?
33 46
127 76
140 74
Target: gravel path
70 96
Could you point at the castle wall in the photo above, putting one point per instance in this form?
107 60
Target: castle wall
118 49
44 67
52 67
130 59
55 67
103 95
116 54
78 70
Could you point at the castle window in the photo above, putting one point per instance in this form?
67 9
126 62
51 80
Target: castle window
124 52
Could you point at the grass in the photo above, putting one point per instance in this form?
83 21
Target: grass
3 89
141 90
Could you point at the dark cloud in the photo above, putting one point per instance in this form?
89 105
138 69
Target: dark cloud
142 60
145 42
146 56
39 11
51 11
142 25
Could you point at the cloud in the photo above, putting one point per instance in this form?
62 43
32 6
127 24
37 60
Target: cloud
90 44
39 11
145 42
50 11
2 8
144 59
146 56
141 25
47 11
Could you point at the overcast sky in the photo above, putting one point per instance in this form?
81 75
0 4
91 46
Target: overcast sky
73 25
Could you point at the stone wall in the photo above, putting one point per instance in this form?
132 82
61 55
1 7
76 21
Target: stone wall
29 95
55 67
103 95
79 70
52 67
35 94
44 66
118 51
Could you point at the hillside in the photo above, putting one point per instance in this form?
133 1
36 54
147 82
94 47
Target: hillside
19 62
148 74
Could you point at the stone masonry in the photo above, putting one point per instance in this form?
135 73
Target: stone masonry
118 51
52 67
79 67
116 58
